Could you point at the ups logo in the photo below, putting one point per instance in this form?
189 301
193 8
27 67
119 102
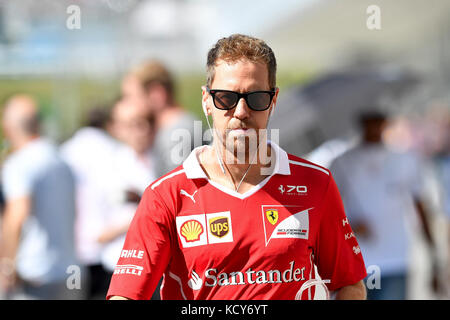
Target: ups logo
219 226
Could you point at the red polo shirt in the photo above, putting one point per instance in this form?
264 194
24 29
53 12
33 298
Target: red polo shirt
210 242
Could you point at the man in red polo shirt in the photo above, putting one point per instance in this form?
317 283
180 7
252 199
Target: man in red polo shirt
240 220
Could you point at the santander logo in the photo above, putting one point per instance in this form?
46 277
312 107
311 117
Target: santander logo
213 278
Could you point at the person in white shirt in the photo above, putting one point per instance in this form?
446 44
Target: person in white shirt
89 152
382 194
153 86
37 234
133 166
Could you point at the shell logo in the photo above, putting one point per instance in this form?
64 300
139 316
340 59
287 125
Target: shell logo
191 230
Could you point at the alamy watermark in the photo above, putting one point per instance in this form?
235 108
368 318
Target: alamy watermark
73 21
373 279
73 281
246 147
373 21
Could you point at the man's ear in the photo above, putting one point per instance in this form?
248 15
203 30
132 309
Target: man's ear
274 102
204 101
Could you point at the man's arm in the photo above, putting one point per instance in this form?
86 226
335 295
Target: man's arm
426 227
425 223
112 233
355 291
118 298
16 212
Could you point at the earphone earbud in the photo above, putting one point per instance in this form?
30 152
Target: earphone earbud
204 109
209 125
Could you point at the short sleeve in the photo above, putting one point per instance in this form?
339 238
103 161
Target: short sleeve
146 251
17 181
337 253
339 172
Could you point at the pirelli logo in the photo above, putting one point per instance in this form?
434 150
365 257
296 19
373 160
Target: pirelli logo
128 269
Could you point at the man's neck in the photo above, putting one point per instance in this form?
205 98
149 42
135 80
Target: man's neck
141 154
167 116
257 158
21 141
250 172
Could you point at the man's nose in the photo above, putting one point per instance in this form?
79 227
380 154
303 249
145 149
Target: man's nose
242 111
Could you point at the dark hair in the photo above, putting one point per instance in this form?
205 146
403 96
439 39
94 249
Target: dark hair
371 116
32 124
154 72
98 117
151 120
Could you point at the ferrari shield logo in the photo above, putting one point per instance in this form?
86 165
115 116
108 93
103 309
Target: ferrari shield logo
272 216
285 222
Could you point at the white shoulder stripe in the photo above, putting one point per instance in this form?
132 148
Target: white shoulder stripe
158 182
309 166
178 279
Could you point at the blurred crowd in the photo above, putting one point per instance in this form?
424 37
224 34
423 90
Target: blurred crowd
70 205
394 182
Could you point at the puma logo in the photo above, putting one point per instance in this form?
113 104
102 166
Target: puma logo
184 193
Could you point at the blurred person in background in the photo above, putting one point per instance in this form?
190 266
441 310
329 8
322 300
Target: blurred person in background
153 84
133 169
37 235
89 152
2 199
445 166
441 161
445 175
382 191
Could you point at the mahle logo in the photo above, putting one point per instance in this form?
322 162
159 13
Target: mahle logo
219 226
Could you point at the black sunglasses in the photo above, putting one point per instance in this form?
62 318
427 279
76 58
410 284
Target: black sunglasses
256 100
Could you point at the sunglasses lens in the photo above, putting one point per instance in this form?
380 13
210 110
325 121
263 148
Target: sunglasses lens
259 100
225 100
